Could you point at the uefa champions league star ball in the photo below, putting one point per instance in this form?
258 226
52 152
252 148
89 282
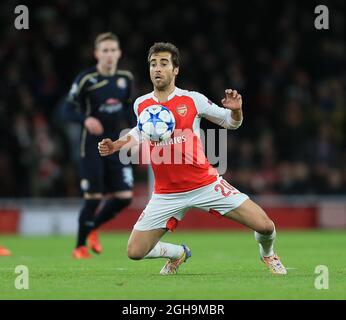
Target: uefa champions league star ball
156 123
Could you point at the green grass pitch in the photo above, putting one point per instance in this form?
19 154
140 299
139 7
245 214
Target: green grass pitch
224 265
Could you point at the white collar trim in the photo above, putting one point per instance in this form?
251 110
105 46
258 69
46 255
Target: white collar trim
176 92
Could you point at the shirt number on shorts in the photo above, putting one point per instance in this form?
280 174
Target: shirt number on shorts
225 188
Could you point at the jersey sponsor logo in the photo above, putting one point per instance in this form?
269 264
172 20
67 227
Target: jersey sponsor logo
182 110
174 140
112 101
121 83
111 105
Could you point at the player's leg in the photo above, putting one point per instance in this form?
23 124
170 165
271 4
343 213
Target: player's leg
223 199
118 184
113 204
147 245
141 243
161 214
253 216
91 186
86 224
118 181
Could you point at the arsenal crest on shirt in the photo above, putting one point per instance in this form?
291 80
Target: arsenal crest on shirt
182 110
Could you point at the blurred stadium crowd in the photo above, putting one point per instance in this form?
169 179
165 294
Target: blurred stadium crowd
291 76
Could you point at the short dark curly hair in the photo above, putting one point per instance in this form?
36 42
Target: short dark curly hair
166 47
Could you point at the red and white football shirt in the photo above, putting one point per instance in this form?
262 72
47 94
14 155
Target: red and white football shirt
187 168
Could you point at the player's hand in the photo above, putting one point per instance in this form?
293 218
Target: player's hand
93 126
232 100
106 147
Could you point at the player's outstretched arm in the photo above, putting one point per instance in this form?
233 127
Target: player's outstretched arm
107 146
228 117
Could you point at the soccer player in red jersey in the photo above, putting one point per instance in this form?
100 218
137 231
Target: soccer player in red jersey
192 183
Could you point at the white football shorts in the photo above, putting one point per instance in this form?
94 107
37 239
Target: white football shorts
165 210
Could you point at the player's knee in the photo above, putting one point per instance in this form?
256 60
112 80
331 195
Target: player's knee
267 226
134 253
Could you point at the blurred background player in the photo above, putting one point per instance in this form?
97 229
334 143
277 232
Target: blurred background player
181 186
100 100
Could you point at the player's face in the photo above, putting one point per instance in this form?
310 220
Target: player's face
162 71
108 53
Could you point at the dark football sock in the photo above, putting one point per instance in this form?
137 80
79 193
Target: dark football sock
86 220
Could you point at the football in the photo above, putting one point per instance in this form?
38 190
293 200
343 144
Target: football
156 123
